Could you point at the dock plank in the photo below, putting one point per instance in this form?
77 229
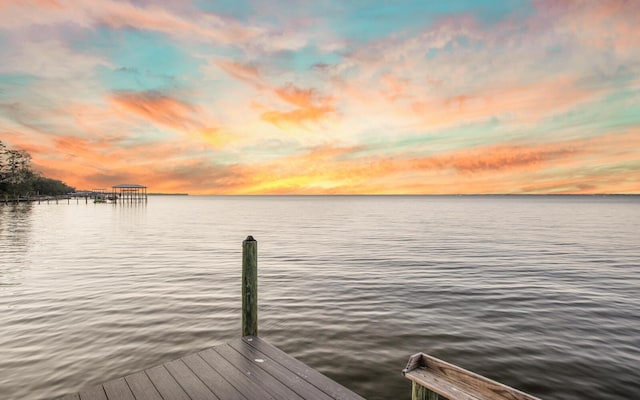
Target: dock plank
253 371
297 384
166 385
245 369
322 382
93 393
237 378
190 383
210 377
118 390
142 387
72 396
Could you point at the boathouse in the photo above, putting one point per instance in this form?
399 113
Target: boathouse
129 193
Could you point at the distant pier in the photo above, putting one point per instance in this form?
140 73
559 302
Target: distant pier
123 193
129 193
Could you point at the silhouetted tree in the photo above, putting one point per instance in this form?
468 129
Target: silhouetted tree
18 178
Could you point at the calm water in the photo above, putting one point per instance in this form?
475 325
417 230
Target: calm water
541 293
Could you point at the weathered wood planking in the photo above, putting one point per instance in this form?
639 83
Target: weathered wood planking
245 369
454 383
330 387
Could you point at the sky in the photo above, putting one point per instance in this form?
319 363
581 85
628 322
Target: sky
326 97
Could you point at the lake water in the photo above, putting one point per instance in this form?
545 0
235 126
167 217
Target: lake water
540 293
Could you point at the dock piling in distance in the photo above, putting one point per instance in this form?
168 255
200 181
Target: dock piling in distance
249 287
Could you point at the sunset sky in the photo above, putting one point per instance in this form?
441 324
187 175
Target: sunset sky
288 96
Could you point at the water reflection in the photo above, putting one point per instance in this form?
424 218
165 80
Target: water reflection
131 212
15 233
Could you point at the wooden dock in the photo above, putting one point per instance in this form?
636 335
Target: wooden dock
247 368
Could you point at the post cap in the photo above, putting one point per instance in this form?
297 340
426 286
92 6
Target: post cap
249 239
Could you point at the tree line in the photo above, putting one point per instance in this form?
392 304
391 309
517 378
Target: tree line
17 177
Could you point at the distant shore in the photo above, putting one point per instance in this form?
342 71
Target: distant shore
168 194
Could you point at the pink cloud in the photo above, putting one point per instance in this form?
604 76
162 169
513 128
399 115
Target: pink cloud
242 72
180 22
157 107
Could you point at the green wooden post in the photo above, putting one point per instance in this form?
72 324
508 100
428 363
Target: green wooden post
249 287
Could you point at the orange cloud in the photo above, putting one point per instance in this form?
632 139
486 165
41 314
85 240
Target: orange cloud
558 167
296 96
157 107
87 163
310 107
296 117
502 157
169 112
32 144
490 169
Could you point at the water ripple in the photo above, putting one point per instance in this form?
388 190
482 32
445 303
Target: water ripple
531 291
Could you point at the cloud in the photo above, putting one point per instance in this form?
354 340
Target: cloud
297 117
158 108
48 59
513 104
596 24
445 105
298 97
517 168
457 71
167 111
503 157
310 107
108 162
184 23
243 72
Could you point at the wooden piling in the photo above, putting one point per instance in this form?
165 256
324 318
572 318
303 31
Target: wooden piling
249 287
422 393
